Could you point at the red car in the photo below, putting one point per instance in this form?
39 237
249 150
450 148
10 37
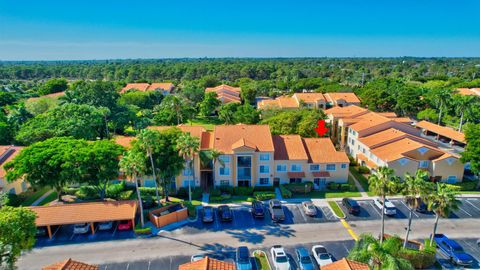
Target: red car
125 225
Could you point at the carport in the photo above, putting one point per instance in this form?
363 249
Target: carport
91 212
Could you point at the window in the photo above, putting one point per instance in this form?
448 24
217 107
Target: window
264 181
331 167
264 157
281 168
187 172
224 183
224 159
296 168
314 167
295 180
224 171
423 164
264 169
344 165
358 147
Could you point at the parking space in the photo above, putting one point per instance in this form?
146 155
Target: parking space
470 246
64 235
469 208
367 211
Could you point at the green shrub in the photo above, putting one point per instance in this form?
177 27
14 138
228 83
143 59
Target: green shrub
196 193
243 191
114 191
182 193
353 162
70 191
11 199
147 191
264 188
87 193
226 189
215 192
215 199
466 185
420 259
226 196
250 199
264 195
146 230
300 187
340 187
363 170
286 193
125 195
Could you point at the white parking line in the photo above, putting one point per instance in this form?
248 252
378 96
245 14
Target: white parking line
234 219
128 265
408 208
375 208
301 212
472 205
217 224
149 262
460 208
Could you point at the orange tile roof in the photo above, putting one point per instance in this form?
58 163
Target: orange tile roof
346 264
388 114
137 86
369 120
289 147
167 86
222 88
296 174
321 150
395 150
309 97
125 141
52 95
70 265
405 120
348 97
7 153
207 263
206 140
268 103
227 135
468 91
226 93
369 163
286 102
84 212
441 130
390 135
243 143
346 112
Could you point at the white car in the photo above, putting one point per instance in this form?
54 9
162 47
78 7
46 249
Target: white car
279 258
81 228
390 209
197 257
309 209
321 255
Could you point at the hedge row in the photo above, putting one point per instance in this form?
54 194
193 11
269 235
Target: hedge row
286 193
264 195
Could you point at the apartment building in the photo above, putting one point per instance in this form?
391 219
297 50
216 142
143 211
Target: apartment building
165 88
226 93
383 139
7 153
310 100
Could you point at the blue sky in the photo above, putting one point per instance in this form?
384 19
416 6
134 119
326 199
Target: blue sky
104 29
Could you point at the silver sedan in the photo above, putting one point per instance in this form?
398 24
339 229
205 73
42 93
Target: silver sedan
309 208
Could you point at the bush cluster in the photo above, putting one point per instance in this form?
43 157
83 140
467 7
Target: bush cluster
11 199
243 191
196 193
363 169
264 195
340 187
300 187
286 193
264 188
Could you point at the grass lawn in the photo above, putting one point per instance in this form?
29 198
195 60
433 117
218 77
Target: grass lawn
361 179
322 194
50 198
469 192
336 209
233 199
208 123
33 196
261 259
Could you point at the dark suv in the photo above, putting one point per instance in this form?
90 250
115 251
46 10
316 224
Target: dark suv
351 205
225 213
257 209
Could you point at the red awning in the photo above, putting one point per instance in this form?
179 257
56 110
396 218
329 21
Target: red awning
296 174
321 174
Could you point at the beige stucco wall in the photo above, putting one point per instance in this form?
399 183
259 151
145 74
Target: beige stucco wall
444 168
283 176
18 186
400 170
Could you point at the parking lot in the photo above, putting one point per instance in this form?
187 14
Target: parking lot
243 218
470 246
64 235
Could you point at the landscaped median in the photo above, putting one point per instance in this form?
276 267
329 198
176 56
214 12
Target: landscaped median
332 190
336 209
261 260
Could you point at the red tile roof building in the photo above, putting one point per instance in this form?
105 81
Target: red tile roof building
70 265
165 88
207 263
226 93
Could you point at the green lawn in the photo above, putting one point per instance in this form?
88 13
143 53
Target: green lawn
33 196
50 198
362 180
326 194
208 123
336 209
261 259
233 199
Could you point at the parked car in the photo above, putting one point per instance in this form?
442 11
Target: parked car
208 214
276 210
309 209
225 213
279 258
304 259
81 228
243 259
105 226
390 209
125 225
41 231
197 257
452 250
421 206
257 209
321 255
351 205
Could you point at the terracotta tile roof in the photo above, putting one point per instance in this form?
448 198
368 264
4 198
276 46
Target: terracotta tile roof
257 135
390 135
70 265
388 114
395 150
125 141
289 147
243 143
206 140
443 131
321 174
346 264
405 120
346 112
369 120
167 86
7 153
296 174
268 103
137 86
286 102
223 87
309 97
468 91
195 131
207 263
226 93
348 97
369 163
84 212
321 150
53 95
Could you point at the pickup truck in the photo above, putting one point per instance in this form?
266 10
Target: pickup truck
276 210
452 250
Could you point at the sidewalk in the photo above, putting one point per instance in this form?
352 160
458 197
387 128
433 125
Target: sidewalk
359 187
278 194
39 200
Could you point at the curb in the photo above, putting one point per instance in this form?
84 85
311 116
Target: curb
333 212
264 253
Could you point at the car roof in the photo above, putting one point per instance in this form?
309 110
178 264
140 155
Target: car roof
389 204
302 251
452 243
243 251
352 202
320 249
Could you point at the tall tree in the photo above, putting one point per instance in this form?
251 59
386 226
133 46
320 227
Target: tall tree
472 150
415 189
227 112
147 140
96 93
188 147
246 114
173 110
53 86
463 104
441 98
383 183
133 165
209 104
17 233
441 202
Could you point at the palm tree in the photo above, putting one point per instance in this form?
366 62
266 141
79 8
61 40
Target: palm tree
414 188
379 255
133 165
442 96
188 146
442 203
213 156
462 104
148 139
383 183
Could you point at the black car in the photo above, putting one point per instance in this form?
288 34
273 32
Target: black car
207 214
421 206
351 205
225 213
258 209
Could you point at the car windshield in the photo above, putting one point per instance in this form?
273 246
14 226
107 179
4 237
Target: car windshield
310 207
390 208
281 259
306 260
81 225
324 256
243 260
457 249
